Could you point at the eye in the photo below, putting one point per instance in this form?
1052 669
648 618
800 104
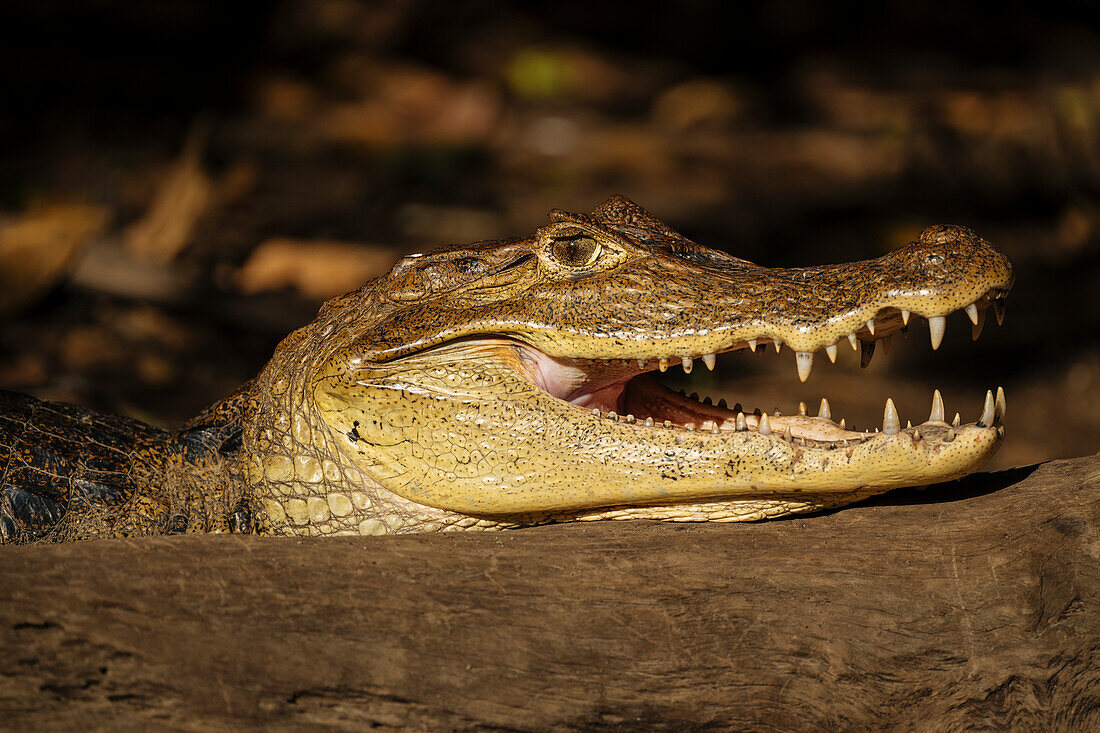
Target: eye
576 251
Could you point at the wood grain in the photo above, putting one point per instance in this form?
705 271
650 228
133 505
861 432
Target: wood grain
972 603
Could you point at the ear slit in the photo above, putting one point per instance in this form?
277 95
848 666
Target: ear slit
517 262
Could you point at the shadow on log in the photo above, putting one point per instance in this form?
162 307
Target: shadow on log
971 603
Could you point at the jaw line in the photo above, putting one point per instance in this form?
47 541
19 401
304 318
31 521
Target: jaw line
628 391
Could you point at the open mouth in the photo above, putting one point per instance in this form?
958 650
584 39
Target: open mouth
624 390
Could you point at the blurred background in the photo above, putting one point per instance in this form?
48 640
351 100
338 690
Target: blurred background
181 184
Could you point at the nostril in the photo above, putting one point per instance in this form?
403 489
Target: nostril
948 234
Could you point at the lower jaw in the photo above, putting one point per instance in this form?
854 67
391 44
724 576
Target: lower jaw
643 398
643 402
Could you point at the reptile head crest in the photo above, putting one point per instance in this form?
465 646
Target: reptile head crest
507 383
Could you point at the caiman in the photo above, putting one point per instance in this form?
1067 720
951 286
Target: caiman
510 383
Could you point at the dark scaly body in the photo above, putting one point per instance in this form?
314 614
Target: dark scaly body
72 473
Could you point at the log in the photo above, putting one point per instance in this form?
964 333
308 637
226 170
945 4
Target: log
971 603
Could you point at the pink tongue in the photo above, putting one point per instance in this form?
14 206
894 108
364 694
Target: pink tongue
596 384
606 399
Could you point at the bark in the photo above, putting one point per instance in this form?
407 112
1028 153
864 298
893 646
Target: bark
973 603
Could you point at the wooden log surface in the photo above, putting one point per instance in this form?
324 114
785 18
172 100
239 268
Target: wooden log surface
972 603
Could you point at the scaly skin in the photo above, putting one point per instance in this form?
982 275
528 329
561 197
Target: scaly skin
502 384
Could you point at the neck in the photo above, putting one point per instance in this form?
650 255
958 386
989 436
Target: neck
204 472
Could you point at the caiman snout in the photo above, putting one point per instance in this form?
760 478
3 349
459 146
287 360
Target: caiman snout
512 383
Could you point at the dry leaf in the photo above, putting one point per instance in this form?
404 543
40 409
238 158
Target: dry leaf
317 269
186 195
37 249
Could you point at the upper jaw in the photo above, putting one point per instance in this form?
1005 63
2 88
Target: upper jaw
860 329
676 311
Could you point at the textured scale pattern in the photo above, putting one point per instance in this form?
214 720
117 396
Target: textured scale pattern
437 398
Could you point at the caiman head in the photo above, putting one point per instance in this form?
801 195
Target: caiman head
508 383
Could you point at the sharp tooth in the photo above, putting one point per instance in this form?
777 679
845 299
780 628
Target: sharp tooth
853 341
908 424
765 428
722 403
776 413
802 410
612 416
950 435
999 405
972 313
988 411
687 363
695 396
824 410
936 326
936 415
805 362
683 393
842 424
649 422
707 424
706 400
787 434
871 326
976 330
905 318
629 418
752 344
868 351
711 426
957 420
596 412
741 424
667 423
830 350
709 360
643 363
999 310
778 345
916 434
891 425
662 364
885 341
